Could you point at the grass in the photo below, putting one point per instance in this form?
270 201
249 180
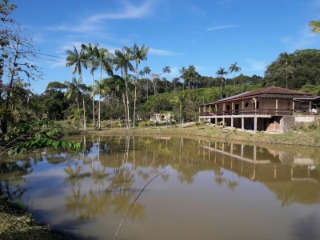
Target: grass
301 137
16 223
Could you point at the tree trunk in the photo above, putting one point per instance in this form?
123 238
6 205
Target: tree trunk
84 115
93 110
135 98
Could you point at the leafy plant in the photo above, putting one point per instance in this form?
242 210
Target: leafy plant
30 136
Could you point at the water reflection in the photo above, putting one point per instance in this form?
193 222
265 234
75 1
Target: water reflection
101 181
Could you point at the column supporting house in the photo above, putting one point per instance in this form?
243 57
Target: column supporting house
242 123
231 121
310 105
255 124
223 108
293 106
277 106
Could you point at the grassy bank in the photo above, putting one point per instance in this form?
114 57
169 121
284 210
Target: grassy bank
16 223
302 137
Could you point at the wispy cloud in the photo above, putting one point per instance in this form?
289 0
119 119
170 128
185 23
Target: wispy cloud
92 23
305 39
256 65
128 11
220 27
161 52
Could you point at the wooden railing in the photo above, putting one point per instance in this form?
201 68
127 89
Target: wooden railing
272 112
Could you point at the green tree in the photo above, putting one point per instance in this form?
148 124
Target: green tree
122 61
234 69
77 89
221 72
147 71
139 54
77 60
91 53
105 59
315 25
16 60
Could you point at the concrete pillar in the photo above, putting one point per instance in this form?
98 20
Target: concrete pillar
223 108
293 105
310 105
255 124
231 121
277 106
242 123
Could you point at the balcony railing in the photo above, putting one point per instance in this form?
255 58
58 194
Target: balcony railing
271 112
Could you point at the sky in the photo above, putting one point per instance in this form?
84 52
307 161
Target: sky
208 34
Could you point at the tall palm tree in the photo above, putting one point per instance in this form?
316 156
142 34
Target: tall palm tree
105 59
234 69
221 72
165 70
139 54
122 61
147 71
182 74
77 89
117 84
77 60
315 26
91 55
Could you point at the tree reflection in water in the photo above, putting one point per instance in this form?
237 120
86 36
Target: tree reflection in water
107 175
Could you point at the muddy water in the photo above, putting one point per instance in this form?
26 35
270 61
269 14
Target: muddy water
203 190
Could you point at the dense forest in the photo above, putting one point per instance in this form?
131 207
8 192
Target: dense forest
129 94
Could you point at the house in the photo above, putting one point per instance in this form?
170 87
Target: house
268 109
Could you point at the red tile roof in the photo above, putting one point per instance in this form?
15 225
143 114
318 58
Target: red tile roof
269 92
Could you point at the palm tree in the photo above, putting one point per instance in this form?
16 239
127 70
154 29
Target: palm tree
165 70
139 54
221 72
77 60
117 84
122 61
77 89
93 62
315 26
182 74
234 69
147 71
105 59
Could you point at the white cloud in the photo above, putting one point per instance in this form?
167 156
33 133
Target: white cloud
94 22
129 11
306 39
256 65
160 52
220 27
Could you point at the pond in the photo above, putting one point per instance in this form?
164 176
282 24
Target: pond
189 189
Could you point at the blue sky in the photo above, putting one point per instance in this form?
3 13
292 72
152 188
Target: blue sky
208 34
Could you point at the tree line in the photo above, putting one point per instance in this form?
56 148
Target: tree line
120 89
